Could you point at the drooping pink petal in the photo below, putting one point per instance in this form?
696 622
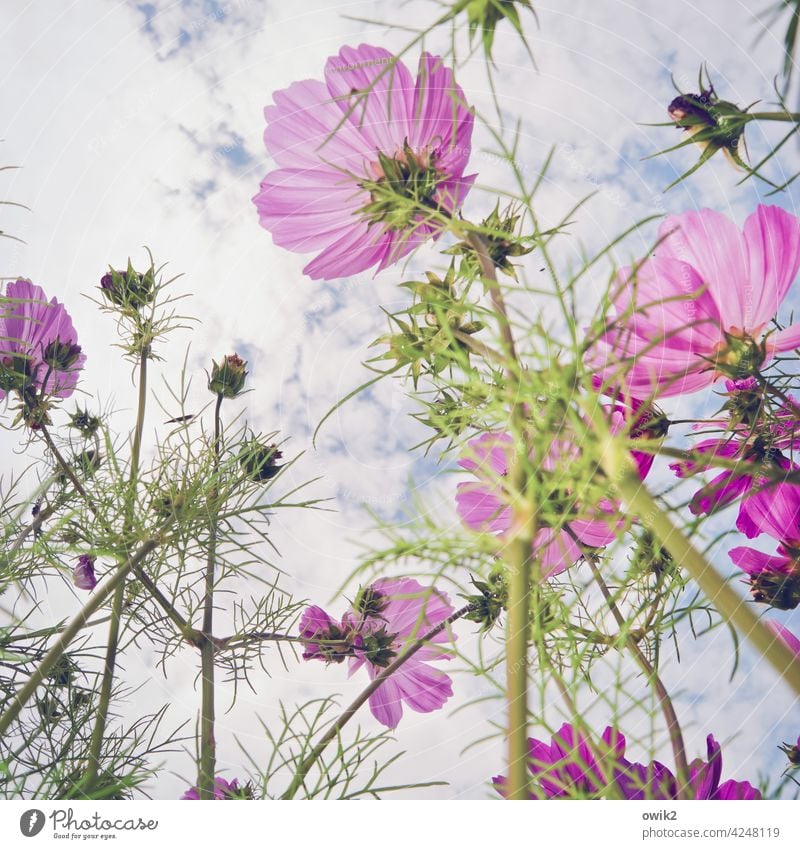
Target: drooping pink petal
753 562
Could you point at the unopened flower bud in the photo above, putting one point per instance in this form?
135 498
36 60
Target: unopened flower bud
490 602
83 575
61 356
85 423
228 377
259 461
792 752
129 288
712 123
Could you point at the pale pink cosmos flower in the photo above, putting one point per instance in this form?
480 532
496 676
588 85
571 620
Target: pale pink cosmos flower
38 344
336 152
700 308
483 504
386 617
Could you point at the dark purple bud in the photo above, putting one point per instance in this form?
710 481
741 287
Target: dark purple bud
83 576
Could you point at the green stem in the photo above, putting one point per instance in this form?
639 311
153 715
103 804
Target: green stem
208 755
664 700
625 480
350 711
789 117
69 633
112 643
66 468
517 553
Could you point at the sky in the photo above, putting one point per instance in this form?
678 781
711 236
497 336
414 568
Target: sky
140 124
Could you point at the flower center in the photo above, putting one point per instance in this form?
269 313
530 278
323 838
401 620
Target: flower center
377 647
740 355
777 589
401 187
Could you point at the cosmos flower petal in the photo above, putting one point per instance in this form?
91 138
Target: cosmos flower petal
332 140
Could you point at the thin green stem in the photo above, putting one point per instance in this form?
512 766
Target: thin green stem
208 755
664 700
788 117
333 732
66 468
112 642
102 592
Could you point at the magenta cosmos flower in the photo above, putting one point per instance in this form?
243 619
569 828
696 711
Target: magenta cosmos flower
483 504
756 441
361 156
701 307
704 778
572 766
38 344
225 790
385 618
774 579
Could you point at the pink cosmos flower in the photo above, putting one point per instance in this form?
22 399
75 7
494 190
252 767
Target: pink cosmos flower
83 575
756 442
704 778
571 766
38 343
774 580
773 509
361 156
385 618
483 504
223 790
701 307
731 484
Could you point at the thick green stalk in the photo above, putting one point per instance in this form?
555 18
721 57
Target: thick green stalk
103 591
333 732
517 553
208 754
518 560
112 643
625 480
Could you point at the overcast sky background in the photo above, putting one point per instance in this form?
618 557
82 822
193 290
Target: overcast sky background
140 124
